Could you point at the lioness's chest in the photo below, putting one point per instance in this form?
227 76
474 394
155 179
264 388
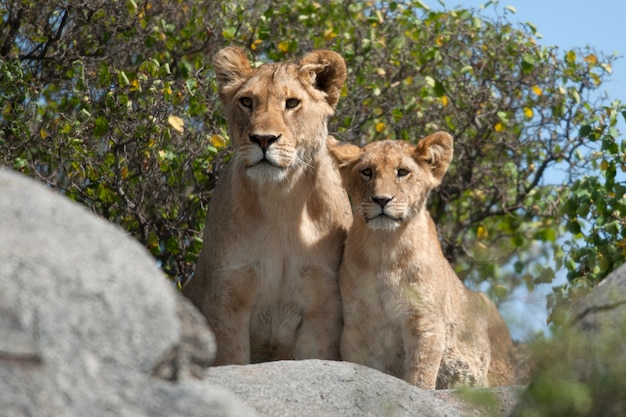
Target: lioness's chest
285 256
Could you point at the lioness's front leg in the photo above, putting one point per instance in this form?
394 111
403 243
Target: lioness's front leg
319 333
228 307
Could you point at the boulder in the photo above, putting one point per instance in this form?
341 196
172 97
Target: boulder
582 371
325 388
88 323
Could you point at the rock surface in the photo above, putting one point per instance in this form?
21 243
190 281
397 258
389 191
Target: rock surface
324 388
605 307
86 319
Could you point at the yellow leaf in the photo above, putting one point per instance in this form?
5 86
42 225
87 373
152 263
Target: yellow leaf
444 100
380 126
570 56
537 90
254 44
482 233
499 127
596 78
177 123
43 133
218 141
283 46
591 59
134 85
528 112
329 34
604 165
381 72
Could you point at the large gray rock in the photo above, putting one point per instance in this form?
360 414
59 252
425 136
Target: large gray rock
582 372
324 388
604 308
88 324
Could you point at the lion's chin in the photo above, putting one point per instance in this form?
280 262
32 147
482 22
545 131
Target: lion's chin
384 222
266 172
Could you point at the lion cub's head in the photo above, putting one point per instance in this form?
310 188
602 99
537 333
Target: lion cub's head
388 181
277 112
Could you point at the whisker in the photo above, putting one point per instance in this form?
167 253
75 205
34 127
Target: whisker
299 162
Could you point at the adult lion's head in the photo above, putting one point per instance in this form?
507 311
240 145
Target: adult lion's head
277 112
389 181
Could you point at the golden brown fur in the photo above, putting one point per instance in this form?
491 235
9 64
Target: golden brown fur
266 278
406 312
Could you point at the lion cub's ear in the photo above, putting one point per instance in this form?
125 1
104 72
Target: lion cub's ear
231 67
436 152
326 70
344 154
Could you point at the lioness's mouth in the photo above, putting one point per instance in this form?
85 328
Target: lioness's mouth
263 162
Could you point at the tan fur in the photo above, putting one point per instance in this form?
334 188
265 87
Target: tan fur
266 278
406 312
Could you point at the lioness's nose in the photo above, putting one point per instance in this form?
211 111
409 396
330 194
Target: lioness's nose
264 141
382 201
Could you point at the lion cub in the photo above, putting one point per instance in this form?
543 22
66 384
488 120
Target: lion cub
406 312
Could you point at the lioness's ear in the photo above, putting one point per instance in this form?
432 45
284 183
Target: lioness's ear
344 154
436 152
326 70
231 67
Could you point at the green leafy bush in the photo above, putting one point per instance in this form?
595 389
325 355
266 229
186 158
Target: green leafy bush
115 105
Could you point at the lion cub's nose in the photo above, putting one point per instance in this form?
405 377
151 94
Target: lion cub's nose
382 201
264 141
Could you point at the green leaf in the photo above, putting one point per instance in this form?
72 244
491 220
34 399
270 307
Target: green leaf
573 227
101 126
584 131
19 163
439 89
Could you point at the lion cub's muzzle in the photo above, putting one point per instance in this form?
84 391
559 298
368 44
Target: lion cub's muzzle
381 214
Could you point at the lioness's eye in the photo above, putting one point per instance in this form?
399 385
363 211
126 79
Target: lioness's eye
292 103
246 102
402 172
366 172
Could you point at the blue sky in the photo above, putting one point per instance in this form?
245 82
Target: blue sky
600 24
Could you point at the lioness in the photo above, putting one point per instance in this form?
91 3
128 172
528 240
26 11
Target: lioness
406 312
266 278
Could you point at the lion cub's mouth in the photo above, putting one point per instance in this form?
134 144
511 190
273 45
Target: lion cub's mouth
384 221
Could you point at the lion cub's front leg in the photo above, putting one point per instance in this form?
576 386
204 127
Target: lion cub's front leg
424 347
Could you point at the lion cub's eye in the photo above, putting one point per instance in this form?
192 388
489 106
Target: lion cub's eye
246 102
366 172
402 172
292 103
